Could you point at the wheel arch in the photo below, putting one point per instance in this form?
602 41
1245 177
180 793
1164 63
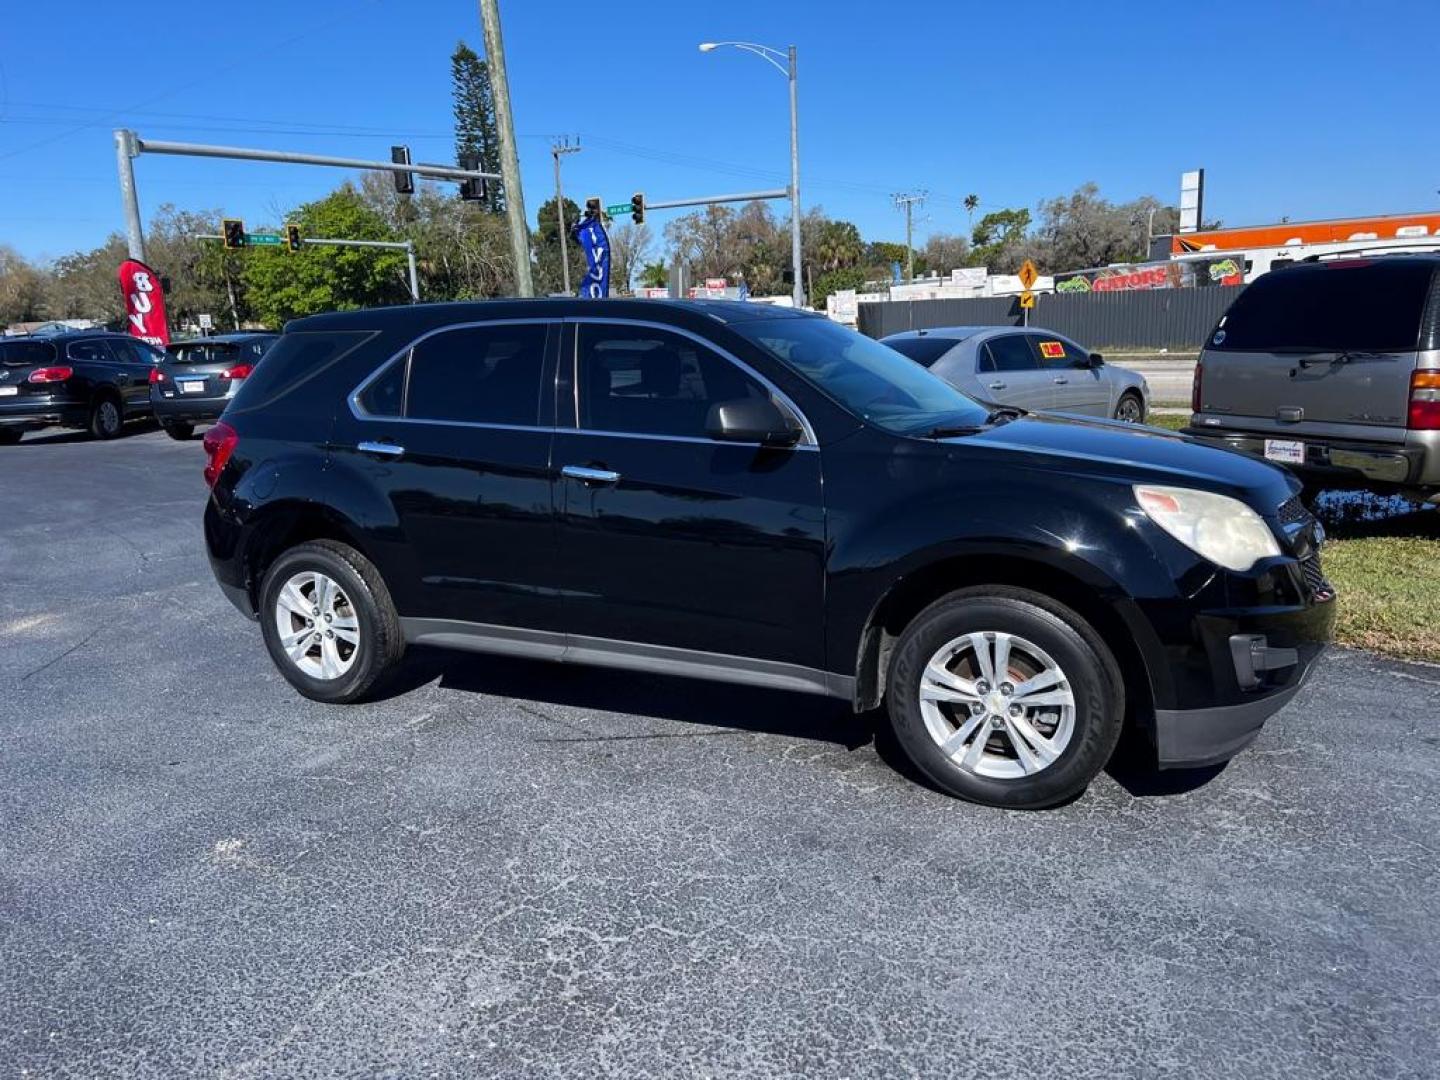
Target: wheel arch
1121 628
280 526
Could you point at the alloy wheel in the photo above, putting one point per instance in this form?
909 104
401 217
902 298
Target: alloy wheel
1129 410
318 626
997 705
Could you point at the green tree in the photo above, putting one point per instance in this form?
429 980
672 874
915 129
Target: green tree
284 285
837 247
655 275
475 127
548 278
997 240
22 289
850 277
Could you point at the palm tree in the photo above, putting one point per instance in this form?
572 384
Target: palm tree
971 203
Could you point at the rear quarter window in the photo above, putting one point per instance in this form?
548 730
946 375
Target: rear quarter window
1351 307
26 353
294 361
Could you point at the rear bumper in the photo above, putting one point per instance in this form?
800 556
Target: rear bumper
1408 463
191 410
35 412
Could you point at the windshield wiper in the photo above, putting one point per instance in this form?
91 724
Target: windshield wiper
945 431
1006 413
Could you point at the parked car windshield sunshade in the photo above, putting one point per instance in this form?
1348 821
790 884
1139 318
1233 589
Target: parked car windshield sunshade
870 379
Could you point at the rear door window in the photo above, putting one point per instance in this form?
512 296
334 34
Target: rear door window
1009 353
93 351
478 375
1359 306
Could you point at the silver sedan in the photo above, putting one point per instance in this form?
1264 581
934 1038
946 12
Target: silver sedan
1035 369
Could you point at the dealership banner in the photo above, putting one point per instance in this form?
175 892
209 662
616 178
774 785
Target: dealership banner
596 245
144 303
1171 274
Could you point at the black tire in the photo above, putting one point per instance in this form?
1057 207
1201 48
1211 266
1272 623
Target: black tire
1091 672
179 432
9 437
381 642
107 418
1130 408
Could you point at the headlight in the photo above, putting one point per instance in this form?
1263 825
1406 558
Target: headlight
1222 529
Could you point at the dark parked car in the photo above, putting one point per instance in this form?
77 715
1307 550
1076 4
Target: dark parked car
87 379
1331 368
197 378
764 497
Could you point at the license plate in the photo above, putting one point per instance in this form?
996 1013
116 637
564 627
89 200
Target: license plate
1285 450
192 387
9 391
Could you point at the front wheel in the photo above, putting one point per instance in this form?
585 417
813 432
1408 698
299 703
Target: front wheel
1130 409
10 436
328 622
1004 697
106 419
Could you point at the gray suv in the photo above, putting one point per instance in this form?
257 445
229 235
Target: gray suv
1331 368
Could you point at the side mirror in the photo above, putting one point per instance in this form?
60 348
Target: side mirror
756 420
1096 360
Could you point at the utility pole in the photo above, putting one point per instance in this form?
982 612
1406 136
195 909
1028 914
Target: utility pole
557 150
509 160
125 160
907 203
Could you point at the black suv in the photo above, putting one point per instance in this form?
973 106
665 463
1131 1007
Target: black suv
198 378
753 495
89 379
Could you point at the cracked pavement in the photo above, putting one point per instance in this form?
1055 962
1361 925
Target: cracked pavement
526 870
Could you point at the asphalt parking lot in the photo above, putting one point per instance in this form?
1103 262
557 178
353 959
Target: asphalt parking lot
515 869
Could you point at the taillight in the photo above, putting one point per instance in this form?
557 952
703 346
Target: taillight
50 374
156 375
1424 401
1195 386
219 444
239 371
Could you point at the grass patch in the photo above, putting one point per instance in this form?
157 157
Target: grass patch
1389 594
1170 421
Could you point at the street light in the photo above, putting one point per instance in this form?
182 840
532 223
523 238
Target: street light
774 58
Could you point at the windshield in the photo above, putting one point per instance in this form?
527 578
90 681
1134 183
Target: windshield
870 379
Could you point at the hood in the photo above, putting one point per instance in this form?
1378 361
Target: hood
1137 454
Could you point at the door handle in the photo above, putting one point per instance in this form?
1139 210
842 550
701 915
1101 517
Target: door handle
1061 379
589 475
997 386
384 449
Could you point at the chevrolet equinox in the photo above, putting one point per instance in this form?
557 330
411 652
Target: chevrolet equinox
736 492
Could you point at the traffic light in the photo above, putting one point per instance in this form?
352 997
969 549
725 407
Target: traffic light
404 181
637 208
471 190
232 233
292 237
592 207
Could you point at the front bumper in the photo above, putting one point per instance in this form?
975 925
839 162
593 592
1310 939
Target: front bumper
1191 738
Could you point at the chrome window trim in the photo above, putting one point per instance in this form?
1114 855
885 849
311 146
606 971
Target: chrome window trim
808 439
359 412
697 439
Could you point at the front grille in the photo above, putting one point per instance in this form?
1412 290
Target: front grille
1293 512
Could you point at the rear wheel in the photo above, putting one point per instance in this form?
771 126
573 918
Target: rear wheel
106 419
179 432
1004 697
10 437
328 622
1130 408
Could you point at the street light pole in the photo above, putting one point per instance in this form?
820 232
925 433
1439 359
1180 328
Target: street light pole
788 69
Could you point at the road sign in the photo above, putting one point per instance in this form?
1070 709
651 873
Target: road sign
1027 299
1028 274
616 209
207 322
263 239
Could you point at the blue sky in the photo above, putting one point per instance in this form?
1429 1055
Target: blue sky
1316 109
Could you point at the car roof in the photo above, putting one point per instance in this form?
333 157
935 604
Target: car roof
965 333
242 335
677 312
